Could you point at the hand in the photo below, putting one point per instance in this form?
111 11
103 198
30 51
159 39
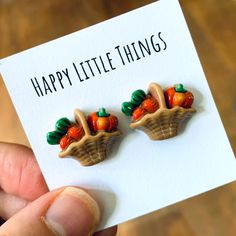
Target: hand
30 209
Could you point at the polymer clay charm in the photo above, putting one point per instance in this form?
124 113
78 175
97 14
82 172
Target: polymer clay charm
86 140
178 96
159 113
65 133
102 121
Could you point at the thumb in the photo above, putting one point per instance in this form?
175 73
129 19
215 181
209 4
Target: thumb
69 211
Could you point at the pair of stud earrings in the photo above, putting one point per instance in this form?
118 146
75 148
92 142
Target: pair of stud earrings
158 113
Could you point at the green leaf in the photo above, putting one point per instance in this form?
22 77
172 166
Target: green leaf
127 108
137 97
53 137
62 125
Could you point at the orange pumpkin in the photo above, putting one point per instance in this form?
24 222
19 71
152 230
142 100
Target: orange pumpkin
76 132
178 96
150 105
65 141
138 113
102 121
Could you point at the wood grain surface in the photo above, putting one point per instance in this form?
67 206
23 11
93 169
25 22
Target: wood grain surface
25 23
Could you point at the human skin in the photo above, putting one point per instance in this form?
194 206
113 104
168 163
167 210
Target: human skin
29 208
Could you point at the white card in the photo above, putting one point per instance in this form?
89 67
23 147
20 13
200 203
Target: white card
140 175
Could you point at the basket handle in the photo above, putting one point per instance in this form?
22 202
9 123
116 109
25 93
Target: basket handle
80 118
156 91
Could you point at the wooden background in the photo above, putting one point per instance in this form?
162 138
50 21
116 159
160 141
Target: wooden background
25 23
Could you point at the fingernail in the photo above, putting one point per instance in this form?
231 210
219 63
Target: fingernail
73 212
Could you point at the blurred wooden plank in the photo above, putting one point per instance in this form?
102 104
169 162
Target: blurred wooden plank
24 24
212 25
11 129
161 223
212 213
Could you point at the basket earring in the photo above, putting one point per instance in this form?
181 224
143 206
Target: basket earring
159 113
86 140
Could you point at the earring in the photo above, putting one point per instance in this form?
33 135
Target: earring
159 113
86 140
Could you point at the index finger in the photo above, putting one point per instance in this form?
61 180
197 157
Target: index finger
20 173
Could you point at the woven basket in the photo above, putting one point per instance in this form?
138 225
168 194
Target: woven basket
163 123
91 149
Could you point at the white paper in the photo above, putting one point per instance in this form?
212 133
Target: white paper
140 175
